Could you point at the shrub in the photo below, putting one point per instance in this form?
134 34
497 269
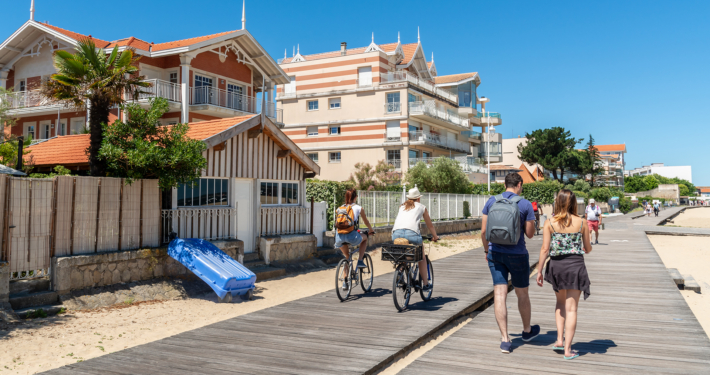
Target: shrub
482 189
443 176
542 191
324 190
581 185
602 194
466 210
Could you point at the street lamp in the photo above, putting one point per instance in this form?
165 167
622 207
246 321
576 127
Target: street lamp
483 101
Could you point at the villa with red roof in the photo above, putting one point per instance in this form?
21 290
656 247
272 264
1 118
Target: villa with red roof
613 162
384 102
203 78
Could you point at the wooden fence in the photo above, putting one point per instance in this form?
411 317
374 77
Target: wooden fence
205 223
70 215
285 220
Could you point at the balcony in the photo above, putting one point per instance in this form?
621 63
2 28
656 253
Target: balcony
496 153
429 110
393 108
425 85
393 137
396 163
470 134
467 163
492 137
206 96
437 140
29 102
495 118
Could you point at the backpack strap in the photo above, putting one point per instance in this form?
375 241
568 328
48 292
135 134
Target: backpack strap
499 197
516 199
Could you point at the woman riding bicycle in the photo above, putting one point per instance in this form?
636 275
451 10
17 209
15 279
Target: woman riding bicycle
353 238
407 226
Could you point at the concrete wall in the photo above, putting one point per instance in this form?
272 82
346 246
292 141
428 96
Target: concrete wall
287 248
86 271
667 191
384 234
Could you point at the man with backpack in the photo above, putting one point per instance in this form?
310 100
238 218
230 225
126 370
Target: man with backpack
507 218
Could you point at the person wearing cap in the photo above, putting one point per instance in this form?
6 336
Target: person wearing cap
594 218
406 226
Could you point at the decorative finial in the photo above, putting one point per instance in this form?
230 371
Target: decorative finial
373 37
398 37
298 49
432 56
294 51
244 15
32 11
419 40
285 55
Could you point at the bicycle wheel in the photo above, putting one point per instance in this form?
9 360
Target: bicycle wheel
367 274
343 294
426 294
401 288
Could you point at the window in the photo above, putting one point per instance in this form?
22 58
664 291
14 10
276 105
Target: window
312 105
204 192
364 76
334 157
31 131
22 85
312 131
393 155
45 131
62 129
173 77
392 105
334 103
426 154
289 193
413 154
203 90
392 97
412 98
278 193
334 130
313 156
77 126
290 88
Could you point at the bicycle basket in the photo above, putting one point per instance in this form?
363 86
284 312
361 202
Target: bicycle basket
401 253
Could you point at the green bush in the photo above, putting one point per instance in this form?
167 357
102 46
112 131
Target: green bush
466 209
444 175
482 189
624 204
581 194
541 191
324 190
583 186
602 194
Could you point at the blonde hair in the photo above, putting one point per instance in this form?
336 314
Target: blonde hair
409 204
565 208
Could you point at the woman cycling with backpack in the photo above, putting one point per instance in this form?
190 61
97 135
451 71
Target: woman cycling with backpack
406 226
346 228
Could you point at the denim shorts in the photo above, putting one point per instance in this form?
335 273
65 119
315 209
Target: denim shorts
353 238
517 265
413 237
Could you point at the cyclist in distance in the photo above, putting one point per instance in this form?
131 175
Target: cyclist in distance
406 226
353 237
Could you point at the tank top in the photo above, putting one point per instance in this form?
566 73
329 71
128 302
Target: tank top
409 219
566 243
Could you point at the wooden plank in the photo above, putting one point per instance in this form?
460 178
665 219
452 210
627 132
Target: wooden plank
676 276
690 284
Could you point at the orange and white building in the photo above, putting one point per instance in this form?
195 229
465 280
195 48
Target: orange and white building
381 102
203 78
613 162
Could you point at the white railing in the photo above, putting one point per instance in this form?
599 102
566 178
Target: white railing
432 109
439 140
285 220
270 109
222 98
393 108
402 76
382 206
161 89
26 99
396 163
204 223
468 164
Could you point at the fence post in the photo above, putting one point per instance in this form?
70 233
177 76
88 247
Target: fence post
374 206
312 203
388 208
120 218
140 238
53 217
73 208
98 213
6 222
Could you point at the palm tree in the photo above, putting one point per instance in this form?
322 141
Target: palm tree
90 76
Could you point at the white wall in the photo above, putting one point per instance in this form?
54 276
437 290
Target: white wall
41 65
683 171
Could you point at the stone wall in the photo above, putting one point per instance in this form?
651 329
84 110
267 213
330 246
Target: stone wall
384 234
92 270
666 191
287 248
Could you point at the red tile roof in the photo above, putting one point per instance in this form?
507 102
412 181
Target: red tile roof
453 77
607 148
76 36
389 47
408 50
187 42
705 190
526 175
71 149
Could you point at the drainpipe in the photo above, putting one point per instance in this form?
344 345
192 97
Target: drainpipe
20 143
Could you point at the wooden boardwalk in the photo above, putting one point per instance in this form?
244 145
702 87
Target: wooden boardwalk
314 335
635 321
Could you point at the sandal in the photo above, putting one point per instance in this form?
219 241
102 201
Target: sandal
555 347
574 355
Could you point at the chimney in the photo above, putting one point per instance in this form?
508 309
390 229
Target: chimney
343 48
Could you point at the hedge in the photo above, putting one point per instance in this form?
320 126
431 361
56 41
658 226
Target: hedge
324 191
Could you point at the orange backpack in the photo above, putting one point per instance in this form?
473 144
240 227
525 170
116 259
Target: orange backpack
345 219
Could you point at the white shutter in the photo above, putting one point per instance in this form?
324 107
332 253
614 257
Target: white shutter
393 131
364 76
290 88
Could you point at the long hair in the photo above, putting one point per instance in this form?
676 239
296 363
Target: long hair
350 196
565 207
409 204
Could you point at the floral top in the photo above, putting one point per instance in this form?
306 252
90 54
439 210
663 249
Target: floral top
566 243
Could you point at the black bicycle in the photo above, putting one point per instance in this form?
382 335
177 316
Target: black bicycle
347 275
405 259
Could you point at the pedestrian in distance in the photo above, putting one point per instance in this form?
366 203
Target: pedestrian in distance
656 207
565 239
507 219
594 218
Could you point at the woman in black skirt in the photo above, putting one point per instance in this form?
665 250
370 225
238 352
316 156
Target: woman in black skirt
566 239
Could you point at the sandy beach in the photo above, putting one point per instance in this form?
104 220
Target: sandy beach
691 256
45 343
694 218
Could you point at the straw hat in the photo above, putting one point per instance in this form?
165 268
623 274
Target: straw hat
414 193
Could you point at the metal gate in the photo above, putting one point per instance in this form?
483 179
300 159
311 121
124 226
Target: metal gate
28 226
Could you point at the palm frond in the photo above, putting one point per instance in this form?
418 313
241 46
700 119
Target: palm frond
125 59
112 58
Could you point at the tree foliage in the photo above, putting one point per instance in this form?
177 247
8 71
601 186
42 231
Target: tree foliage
482 189
443 176
142 148
8 152
553 148
59 170
89 75
542 192
5 119
589 161
365 177
634 184
331 192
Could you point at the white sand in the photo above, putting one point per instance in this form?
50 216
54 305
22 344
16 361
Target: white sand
690 256
694 218
42 344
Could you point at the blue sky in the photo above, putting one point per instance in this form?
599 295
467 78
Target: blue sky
634 72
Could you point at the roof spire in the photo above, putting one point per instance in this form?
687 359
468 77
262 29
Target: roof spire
432 56
244 15
298 49
285 55
373 37
398 42
418 38
293 53
32 11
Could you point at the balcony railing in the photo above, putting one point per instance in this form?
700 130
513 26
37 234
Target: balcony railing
439 140
393 137
222 98
496 150
396 163
404 76
488 114
391 108
471 134
432 109
161 89
468 164
26 99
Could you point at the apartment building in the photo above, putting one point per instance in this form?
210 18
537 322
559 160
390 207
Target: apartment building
381 102
203 78
684 172
613 162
